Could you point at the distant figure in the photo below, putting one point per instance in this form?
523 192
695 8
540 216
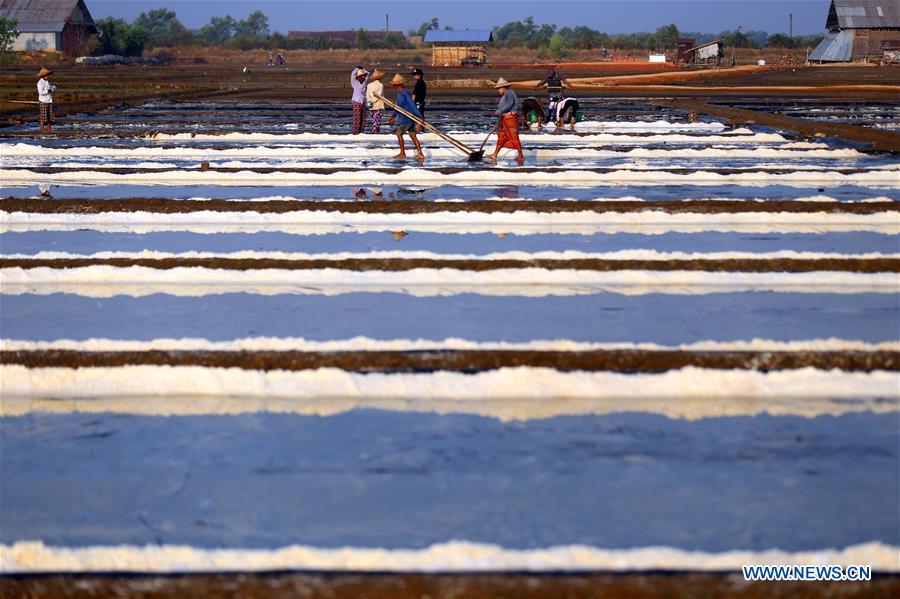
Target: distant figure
419 92
279 60
532 112
566 112
555 83
358 78
45 91
269 62
376 106
405 125
508 128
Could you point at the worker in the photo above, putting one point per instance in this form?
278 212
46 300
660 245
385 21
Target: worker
45 100
358 78
420 90
375 91
532 113
405 125
555 83
566 112
508 127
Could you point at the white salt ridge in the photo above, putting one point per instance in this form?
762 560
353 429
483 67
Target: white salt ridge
648 126
455 556
636 254
888 176
8 151
522 393
139 281
451 343
308 222
736 136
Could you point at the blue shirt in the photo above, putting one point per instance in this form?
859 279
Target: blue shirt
509 102
405 101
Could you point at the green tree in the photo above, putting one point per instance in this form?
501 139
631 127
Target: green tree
256 25
428 25
779 40
162 28
219 30
118 37
557 46
664 37
363 39
9 31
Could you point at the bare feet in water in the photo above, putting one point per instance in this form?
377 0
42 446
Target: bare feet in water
400 156
420 158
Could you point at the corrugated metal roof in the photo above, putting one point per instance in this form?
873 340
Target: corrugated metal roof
445 35
42 15
836 47
863 14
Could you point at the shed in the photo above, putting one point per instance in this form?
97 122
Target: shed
710 53
458 47
50 25
858 31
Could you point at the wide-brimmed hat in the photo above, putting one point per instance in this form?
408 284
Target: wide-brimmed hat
377 75
501 82
398 80
44 72
359 73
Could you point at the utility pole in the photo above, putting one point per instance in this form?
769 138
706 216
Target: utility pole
387 23
791 24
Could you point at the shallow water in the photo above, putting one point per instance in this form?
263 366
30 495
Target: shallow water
693 471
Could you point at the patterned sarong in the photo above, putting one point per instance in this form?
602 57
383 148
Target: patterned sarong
376 120
359 117
508 132
45 113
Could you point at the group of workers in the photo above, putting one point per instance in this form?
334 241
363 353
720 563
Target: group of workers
409 114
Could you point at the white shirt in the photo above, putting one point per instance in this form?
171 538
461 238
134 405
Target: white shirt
376 87
45 91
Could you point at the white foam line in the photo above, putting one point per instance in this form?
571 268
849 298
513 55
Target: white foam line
138 281
887 176
311 222
636 254
736 136
522 393
10 151
454 556
451 343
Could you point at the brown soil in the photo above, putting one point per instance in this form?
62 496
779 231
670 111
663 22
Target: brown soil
435 586
390 206
877 138
462 360
862 265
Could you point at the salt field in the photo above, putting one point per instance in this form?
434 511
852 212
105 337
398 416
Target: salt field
236 338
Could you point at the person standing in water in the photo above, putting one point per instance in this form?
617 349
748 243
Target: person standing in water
419 92
508 128
358 78
556 84
376 106
405 125
45 91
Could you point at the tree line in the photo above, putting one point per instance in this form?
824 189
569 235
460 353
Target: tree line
161 28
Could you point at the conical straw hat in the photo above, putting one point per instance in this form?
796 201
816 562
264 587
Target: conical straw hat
398 79
501 82
44 72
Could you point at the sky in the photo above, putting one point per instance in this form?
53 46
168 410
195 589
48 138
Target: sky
611 16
